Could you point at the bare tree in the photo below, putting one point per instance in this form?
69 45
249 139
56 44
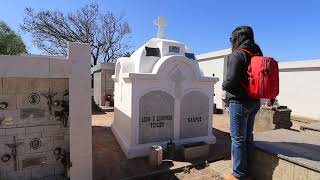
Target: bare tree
107 33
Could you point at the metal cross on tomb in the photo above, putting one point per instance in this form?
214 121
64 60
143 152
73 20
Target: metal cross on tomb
161 23
49 97
177 77
14 153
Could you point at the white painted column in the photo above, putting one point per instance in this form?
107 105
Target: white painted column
80 112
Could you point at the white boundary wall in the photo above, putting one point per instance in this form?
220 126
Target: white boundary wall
299 86
75 67
215 62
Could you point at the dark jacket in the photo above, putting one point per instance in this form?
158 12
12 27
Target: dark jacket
237 72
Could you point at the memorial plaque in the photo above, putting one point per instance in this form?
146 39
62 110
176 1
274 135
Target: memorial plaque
194 115
32 112
35 143
174 49
156 118
34 98
34 161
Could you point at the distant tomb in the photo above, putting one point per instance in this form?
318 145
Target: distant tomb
161 95
103 83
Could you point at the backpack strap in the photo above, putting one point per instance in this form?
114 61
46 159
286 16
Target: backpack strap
247 51
251 54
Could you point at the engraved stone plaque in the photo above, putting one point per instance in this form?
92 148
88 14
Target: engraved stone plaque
194 115
56 136
156 118
32 113
34 161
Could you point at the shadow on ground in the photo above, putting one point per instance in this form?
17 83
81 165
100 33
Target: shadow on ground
109 162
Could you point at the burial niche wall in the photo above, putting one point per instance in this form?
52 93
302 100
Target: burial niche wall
34 127
156 117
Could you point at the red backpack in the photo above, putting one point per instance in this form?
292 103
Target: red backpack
263 77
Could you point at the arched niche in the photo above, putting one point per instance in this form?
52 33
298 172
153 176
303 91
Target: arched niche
156 117
194 115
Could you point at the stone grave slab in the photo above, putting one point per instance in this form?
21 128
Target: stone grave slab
156 117
311 129
194 115
294 147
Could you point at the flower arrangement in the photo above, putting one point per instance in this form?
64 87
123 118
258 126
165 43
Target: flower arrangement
108 98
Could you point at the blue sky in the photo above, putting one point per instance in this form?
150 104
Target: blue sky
285 29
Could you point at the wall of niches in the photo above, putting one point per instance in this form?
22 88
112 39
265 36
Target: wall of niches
34 128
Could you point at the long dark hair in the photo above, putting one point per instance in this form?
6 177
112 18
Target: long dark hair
240 35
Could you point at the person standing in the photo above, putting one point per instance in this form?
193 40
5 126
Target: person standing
242 108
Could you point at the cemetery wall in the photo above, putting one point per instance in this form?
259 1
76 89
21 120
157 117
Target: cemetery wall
298 82
299 87
215 63
45 113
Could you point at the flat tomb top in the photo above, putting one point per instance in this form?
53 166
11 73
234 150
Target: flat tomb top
295 147
313 126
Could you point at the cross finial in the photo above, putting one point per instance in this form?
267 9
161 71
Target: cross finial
161 23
